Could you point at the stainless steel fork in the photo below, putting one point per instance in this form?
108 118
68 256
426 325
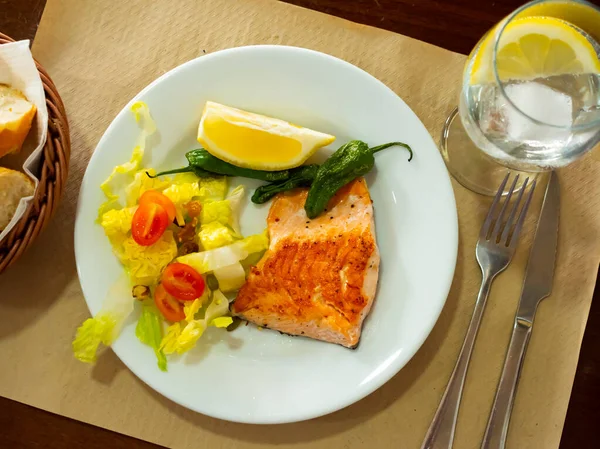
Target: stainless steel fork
495 248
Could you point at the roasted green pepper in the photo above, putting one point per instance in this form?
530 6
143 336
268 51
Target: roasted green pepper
189 169
299 177
202 161
350 161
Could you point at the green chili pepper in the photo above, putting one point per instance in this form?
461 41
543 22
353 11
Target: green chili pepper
205 162
349 162
189 169
203 159
299 177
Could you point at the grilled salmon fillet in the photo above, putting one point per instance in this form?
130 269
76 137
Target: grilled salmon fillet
318 278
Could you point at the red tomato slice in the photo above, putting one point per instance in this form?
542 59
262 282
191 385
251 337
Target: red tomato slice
182 282
171 309
149 223
154 196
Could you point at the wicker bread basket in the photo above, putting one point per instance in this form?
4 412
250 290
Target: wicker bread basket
54 167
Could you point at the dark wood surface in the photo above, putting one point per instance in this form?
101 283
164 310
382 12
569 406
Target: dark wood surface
456 25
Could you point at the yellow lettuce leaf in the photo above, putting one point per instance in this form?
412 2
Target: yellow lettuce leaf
231 277
214 235
142 183
106 325
225 211
181 194
212 189
210 260
149 331
146 263
123 174
117 224
183 336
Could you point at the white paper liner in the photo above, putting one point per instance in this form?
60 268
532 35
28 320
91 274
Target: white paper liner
18 70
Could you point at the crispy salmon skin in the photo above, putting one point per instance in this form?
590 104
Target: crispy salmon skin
318 278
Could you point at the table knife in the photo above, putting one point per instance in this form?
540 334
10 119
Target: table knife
536 286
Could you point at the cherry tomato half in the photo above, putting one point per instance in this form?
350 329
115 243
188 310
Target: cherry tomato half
171 309
182 282
154 196
149 223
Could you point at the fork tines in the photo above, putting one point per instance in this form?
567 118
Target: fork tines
506 232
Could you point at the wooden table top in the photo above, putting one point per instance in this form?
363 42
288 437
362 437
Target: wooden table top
456 25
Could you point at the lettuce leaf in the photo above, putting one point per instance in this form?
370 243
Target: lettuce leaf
226 211
169 343
149 332
205 261
191 308
210 260
214 235
123 174
106 325
186 187
146 263
231 277
216 212
90 334
256 243
235 198
183 336
218 307
212 189
181 194
223 321
184 178
117 224
142 183
252 260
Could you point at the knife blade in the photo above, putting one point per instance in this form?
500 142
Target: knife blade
539 274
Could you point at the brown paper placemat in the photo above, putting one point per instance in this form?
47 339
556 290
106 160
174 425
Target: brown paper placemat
101 53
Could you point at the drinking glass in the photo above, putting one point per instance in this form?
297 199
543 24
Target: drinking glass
530 99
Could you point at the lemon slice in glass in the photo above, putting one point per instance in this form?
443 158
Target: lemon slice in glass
534 47
255 141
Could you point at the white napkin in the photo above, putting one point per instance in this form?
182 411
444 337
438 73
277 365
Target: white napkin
18 70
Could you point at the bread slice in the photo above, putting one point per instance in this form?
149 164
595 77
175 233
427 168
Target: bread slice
16 115
14 185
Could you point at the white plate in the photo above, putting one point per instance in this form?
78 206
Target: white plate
260 376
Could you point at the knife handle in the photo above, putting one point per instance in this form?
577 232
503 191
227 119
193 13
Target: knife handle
497 426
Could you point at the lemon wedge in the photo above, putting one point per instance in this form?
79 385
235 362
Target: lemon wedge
534 47
255 141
